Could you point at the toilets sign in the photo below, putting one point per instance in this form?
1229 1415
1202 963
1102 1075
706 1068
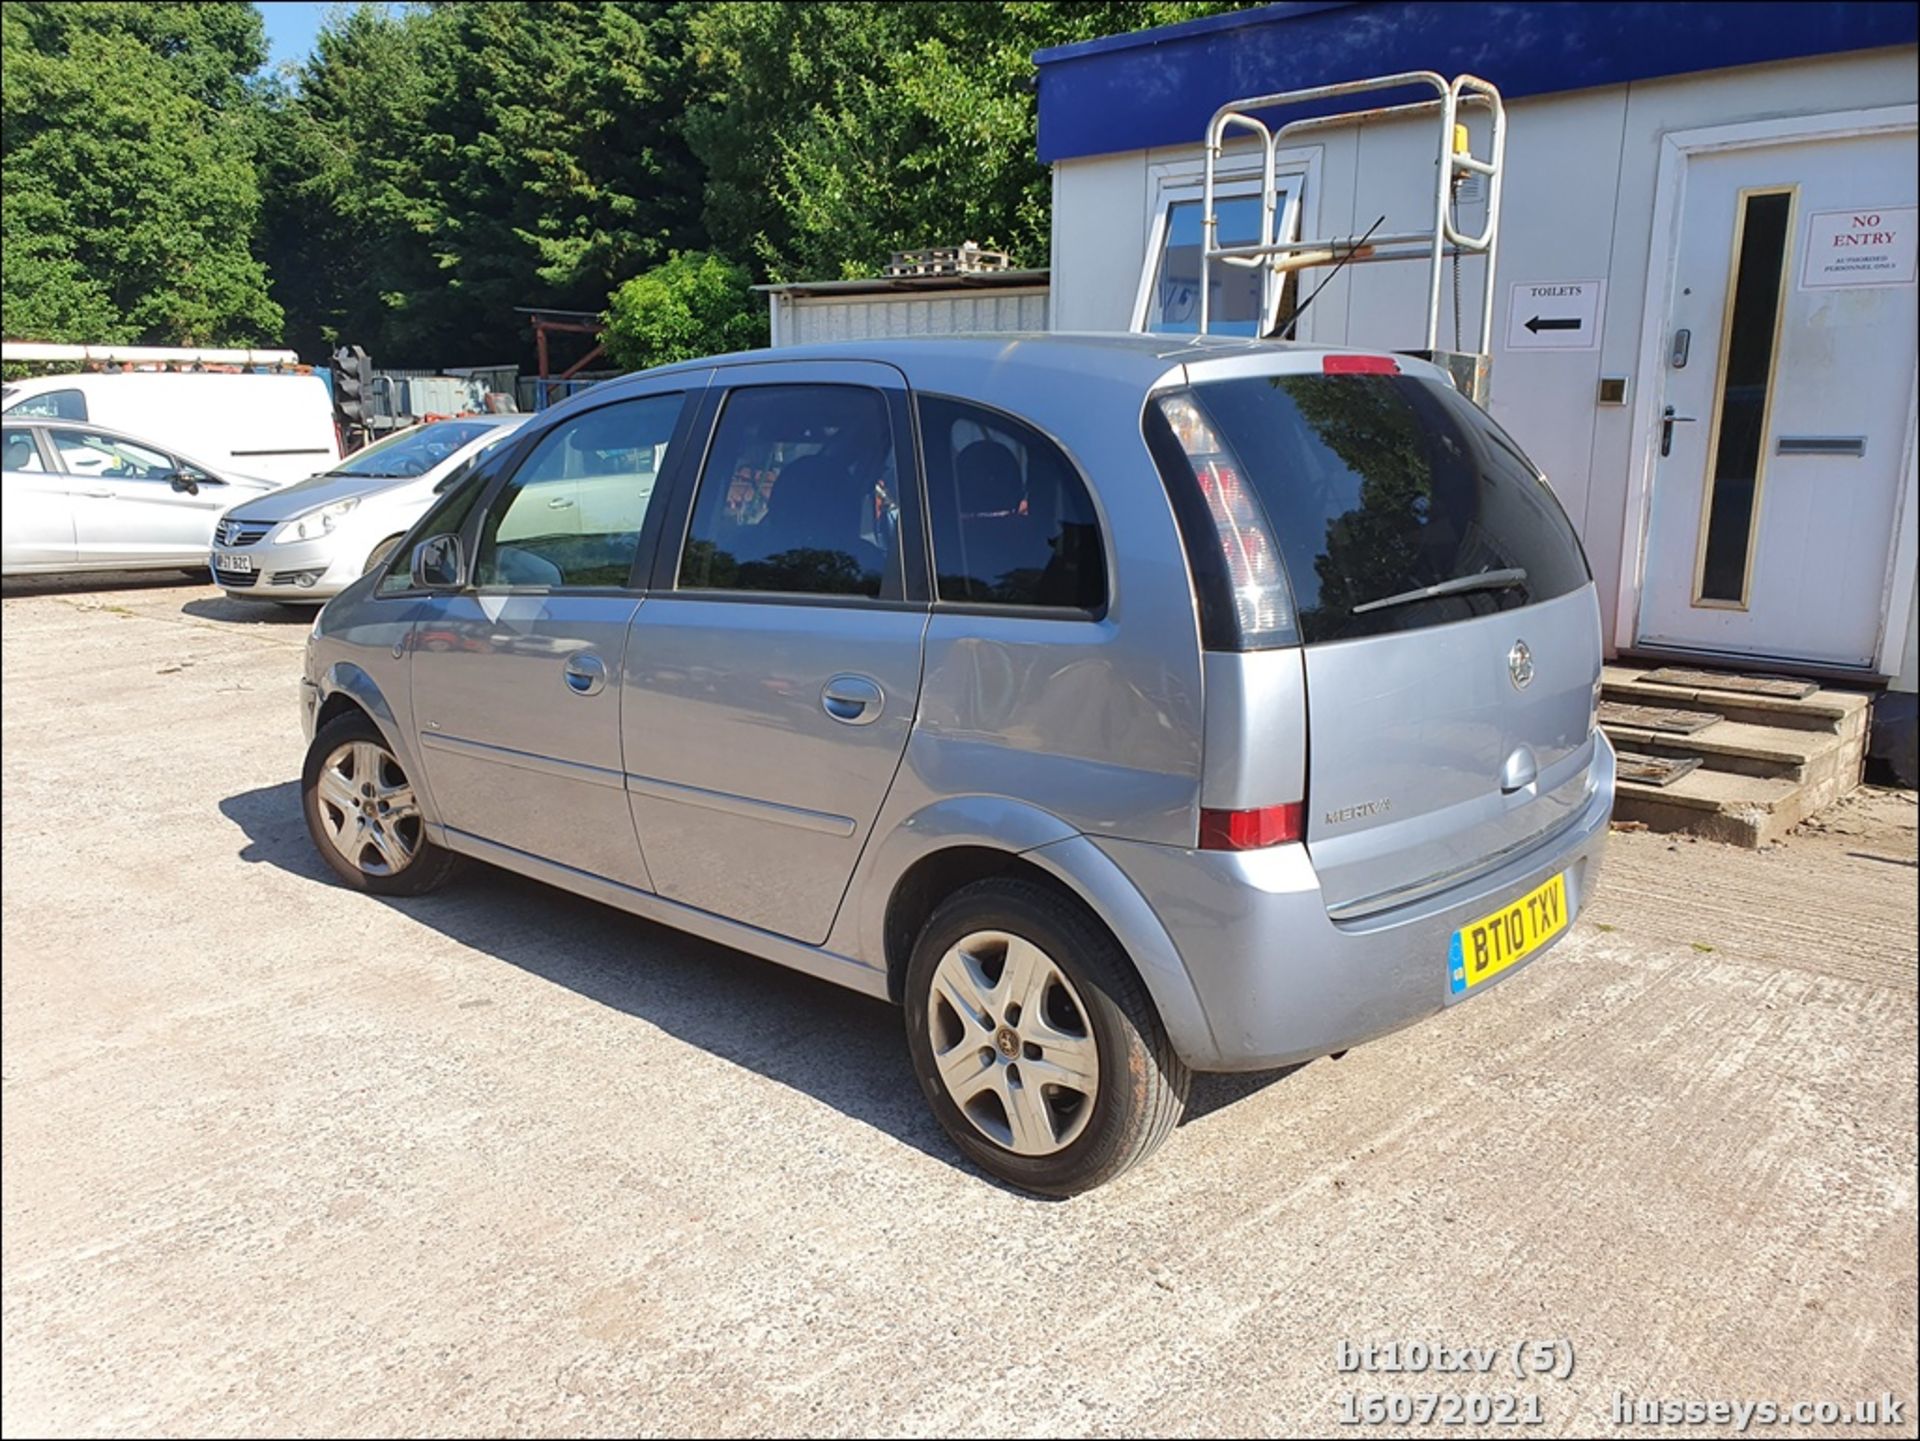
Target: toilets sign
1859 247
1554 315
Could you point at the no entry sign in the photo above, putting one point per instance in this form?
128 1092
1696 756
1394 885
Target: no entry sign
1868 246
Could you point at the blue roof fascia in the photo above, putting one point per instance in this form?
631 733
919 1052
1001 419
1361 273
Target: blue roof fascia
1160 87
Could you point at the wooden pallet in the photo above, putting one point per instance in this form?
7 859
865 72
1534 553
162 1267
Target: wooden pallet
1656 718
1782 687
947 260
1655 770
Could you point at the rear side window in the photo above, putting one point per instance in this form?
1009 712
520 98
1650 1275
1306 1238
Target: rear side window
1013 524
799 496
1376 487
58 404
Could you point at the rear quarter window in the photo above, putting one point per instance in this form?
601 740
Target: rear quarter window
1013 524
1379 485
55 404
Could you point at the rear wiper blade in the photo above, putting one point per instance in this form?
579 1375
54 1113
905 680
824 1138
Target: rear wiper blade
1486 580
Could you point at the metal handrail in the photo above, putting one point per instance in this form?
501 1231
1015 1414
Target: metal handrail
1435 245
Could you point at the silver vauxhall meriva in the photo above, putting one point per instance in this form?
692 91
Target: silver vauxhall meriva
1121 706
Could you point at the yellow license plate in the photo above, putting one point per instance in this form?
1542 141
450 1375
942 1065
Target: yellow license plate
1484 949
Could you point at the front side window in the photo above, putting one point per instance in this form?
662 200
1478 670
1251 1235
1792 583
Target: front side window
573 512
1012 521
799 495
55 404
88 452
21 453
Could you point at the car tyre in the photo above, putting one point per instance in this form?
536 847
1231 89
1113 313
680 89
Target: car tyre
363 812
1035 1041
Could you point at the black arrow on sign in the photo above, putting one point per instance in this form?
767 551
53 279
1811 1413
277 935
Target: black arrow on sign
1536 325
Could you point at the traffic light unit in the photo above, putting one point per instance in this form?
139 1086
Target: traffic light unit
352 371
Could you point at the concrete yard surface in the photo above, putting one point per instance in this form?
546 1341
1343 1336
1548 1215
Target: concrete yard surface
281 1158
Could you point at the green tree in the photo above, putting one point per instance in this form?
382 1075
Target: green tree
696 304
556 156
436 167
130 194
350 226
834 134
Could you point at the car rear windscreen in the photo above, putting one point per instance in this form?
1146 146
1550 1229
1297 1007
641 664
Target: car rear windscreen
1379 486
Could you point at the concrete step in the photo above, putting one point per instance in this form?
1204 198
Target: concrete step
1767 764
1749 811
1741 747
1834 711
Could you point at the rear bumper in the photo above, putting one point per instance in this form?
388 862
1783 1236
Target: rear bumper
1280 981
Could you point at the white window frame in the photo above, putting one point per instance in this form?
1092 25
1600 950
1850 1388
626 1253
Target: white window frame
1173 181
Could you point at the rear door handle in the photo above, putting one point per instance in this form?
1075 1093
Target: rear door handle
852 699
586 673
98 494
559 502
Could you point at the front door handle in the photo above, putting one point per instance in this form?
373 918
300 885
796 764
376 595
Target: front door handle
586 673
1667 422
852 699
98 494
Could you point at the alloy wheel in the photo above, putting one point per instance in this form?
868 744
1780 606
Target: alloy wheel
367 808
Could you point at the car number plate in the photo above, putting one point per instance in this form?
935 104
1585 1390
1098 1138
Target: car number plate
234 561
1484 949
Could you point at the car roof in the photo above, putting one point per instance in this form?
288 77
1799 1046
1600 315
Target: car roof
1046 376
1133 357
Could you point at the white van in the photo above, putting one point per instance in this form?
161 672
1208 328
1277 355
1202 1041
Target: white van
276 427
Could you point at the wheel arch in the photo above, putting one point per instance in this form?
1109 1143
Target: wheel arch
956 841
346 684
929 881
334 706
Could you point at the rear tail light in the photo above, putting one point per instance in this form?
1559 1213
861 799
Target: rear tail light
1360 365
1252 830
1256 585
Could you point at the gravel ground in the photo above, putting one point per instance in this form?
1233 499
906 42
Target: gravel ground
283 1158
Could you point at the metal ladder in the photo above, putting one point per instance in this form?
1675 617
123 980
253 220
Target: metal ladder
1274 257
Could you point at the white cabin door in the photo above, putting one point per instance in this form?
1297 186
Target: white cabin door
1788 376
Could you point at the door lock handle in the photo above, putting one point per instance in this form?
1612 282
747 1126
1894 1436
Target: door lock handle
852 699
1667 422
1520 771
559 502
586 673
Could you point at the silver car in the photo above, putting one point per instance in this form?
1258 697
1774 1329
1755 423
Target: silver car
83 498
1120 706
311 540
